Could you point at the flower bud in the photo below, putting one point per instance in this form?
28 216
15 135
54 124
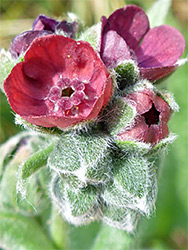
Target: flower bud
150 123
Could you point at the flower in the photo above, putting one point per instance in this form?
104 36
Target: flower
42 26
153 114
60 83
122 33
43 22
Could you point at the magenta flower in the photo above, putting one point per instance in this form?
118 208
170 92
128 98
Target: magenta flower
122 33
60 83
42 26
151 122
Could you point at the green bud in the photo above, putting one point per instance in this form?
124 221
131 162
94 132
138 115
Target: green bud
127 74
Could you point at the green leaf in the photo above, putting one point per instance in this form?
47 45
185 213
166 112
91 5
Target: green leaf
36 161
34 202
133 147
58 229
26 141
158 12
121 218
83 237
85 156
78 206
134 185
111 238
21 232
119 116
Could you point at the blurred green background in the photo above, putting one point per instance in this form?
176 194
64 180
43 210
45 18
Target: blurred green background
169 227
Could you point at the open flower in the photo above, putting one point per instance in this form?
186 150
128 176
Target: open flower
60 83
122 33
151 122
42 26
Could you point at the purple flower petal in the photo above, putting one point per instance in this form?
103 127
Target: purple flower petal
162 47
69 28
114 49
22 42
43 22
155 73
129 22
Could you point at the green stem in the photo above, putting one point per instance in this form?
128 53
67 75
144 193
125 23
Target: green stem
36 161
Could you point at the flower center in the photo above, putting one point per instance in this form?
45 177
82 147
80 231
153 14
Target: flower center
152 116
67 92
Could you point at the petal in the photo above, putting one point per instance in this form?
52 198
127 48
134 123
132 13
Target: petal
114 50
43 22
162 47
142 101
138 132
163 108
157 133
22 101
155 73
22 42
129 22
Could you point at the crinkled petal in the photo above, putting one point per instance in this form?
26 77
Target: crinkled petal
129 22
114 50
155 73
162 47
43 22
142 101
22 42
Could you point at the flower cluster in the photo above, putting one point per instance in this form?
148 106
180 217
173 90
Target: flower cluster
109 130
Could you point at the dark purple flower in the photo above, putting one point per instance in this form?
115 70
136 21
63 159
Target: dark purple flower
122 33
42 26
46 23
151 122
43 22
